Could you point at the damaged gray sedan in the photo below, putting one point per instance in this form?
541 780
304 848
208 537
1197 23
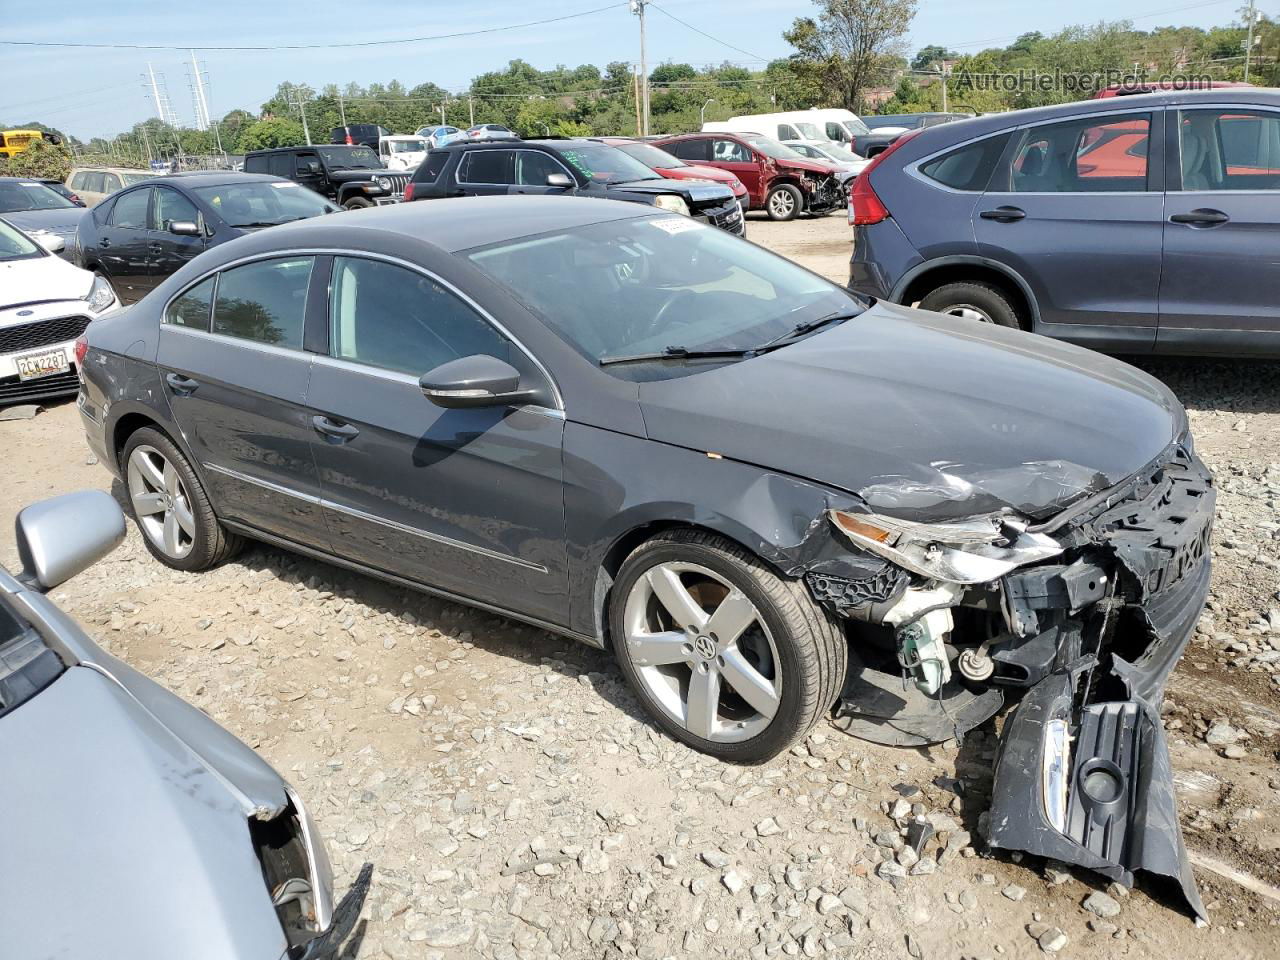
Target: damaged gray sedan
137 827
769 499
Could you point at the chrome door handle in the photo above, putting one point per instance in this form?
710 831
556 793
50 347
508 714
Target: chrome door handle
182 386
334 431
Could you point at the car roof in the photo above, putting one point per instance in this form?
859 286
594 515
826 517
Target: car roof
112 170
458 223
215 178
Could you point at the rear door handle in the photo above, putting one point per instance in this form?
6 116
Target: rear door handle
1203 216
333 430
1003 214
182 386
155 247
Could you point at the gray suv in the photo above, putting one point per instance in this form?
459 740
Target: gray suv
1141 224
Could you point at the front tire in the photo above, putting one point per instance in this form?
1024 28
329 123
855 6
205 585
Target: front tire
974 301
170 506
358 203
784 202
725 655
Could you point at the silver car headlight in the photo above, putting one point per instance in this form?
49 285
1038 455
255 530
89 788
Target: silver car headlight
976 550
669 201
383 182
100 295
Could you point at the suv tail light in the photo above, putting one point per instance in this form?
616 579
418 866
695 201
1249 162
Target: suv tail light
408 191
865 206
351 141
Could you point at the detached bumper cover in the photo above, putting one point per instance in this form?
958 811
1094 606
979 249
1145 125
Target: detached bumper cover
345 915
1083 774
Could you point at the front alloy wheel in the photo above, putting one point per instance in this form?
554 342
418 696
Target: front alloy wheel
727 656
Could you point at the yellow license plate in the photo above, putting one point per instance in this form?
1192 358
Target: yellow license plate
35 365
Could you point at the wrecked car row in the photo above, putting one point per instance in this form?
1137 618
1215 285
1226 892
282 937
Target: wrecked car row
768 498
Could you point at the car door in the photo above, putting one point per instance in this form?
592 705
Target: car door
482 173
1221 231
1076 209
308 171
122 244
235 374
169 251
740 160
465 500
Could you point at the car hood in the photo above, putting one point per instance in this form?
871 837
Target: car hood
926 417
130 846
61 221
692 188
696 172
808 166
40 280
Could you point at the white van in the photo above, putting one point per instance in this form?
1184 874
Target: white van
816 126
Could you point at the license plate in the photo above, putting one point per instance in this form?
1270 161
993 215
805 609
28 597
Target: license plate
35 365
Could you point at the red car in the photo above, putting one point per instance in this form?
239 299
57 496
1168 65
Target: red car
1127 89
673 168
778 180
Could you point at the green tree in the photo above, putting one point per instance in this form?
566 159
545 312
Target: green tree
272 132
40 159
926 57
850 46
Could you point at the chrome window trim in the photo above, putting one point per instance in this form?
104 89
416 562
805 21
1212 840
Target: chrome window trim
381 521
291 352
368 255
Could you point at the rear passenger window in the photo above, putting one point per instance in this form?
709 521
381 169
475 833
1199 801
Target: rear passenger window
968 168
281 165
486 166
192 308
691 150
1093 155
398 319
265 302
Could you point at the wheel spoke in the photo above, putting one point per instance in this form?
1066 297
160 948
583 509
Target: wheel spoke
657 649
731 618
170 479
145 504
704 703
749 683
171 541
185 520
150 472
677 601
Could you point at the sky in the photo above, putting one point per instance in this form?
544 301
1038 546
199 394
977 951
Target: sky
100 92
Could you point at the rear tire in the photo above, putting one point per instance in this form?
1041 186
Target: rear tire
789 658
785 202
170 506
975 301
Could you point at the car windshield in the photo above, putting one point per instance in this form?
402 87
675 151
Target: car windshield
651 156
839 151
15 245
408 146
771 147
857 127
131 178
349 158
645 284
19 195
263 203
604 164
810 131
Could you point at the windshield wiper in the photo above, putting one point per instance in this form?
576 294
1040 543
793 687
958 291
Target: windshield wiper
676 353
261 223
808 326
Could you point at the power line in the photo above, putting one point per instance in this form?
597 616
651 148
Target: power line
313 46
723 43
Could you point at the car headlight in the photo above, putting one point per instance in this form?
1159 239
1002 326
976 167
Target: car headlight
976 550
100 295
383 182
669 201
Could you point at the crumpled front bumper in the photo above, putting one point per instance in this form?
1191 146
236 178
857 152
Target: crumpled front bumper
1083 774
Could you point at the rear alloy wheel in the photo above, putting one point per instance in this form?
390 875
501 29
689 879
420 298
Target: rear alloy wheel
728 657
784 202
973 301
170 506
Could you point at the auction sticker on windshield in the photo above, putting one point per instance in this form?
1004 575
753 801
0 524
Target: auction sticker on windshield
676 224
41 364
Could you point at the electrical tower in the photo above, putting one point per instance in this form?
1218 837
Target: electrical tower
160 97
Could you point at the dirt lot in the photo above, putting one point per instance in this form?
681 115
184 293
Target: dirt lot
517 804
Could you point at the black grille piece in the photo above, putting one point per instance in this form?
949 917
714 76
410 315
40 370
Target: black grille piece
41 333
13 390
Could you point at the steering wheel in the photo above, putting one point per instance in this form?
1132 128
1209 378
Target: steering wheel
659 318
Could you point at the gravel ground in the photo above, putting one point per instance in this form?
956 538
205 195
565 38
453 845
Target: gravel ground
516 804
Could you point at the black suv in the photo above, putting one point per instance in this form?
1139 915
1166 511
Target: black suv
570 167
352 177
355 134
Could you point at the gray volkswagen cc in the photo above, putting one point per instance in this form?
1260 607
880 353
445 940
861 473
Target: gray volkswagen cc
138 827
772 502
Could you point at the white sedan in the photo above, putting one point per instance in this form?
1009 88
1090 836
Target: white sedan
45 304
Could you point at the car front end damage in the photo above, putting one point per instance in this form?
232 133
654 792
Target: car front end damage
1080 616
823 192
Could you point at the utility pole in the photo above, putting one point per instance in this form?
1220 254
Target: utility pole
945 71
342 110
637 7
1248 43
302 108
702 113
471 111
635 89
442 103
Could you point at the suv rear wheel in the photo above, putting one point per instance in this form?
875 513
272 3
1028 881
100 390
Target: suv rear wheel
726 656
785 201
973 301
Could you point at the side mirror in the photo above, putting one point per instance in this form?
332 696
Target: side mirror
51 242
561 180
60 537
313 166
476 381
184 228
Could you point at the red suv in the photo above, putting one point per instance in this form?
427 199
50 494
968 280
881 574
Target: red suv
673 168
778 180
